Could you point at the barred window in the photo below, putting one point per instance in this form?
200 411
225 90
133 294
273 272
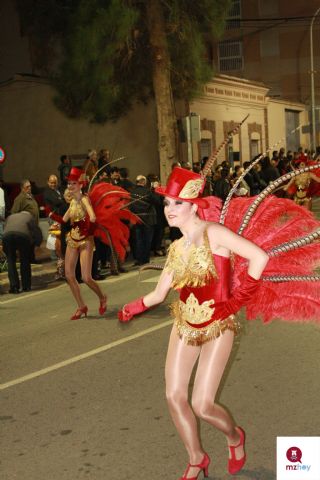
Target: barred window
234 15
230 55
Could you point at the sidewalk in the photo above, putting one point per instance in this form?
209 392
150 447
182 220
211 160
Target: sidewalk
43 274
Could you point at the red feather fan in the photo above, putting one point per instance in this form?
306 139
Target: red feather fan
277 221
110 204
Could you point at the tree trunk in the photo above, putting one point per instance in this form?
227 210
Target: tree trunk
166 118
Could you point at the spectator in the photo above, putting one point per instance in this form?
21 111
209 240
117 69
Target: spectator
124 181
25 201
104 158
2 210
90 166
222 185
175 164
52 195
186 165
115 176
243 189
64 170
268 171
143 206
251 179
257 177
21 233
158 234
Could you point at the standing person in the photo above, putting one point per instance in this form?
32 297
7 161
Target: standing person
2 209
55 202
124 181
222 185
52 195
199 267
21 233
25 201
80 243
90 166
143 205
64 170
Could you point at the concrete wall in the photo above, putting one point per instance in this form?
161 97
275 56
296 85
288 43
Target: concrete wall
35 133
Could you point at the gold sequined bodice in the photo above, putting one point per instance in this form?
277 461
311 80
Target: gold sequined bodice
196 269
77 210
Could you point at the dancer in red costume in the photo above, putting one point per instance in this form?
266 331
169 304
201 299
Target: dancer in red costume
211 292
300 186
97 214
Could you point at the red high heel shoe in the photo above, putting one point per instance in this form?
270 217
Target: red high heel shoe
235 465
79 312
103 305
204 467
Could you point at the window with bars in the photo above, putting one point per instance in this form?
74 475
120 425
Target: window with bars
230 55
234 15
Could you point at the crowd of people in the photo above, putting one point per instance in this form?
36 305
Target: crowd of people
146 236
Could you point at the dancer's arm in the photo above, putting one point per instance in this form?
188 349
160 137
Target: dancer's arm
153 298
225 240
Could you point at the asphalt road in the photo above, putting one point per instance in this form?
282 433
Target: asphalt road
85 399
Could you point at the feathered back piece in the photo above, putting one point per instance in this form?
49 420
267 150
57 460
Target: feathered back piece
214 155
112 215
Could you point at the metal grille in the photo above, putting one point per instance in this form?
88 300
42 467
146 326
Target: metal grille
234 15
230 55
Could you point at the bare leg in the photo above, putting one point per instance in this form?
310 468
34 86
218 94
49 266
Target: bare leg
71 259
86 255
181 359
212 362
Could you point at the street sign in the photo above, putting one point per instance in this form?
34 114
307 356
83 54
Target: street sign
2 155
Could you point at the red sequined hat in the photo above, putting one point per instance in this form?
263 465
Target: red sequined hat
77 175
184 185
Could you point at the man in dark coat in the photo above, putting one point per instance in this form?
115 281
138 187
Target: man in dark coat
21 233
143 205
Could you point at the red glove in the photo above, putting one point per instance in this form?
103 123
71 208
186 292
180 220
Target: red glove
53 215
131 309
56 217
240 297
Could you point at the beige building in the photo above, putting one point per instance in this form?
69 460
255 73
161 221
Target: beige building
272 123
35 133
269 41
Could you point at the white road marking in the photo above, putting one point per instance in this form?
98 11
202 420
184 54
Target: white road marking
89 354
108 280
151 279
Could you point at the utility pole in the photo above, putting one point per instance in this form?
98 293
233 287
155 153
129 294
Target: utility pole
313 107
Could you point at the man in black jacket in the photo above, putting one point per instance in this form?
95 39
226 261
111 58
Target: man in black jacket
143 205
21 233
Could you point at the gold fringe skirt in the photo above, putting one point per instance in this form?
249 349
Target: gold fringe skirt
197 336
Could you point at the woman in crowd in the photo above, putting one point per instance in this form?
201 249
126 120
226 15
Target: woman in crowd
198 265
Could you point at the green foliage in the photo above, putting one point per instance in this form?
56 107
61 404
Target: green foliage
96 45
107 62
191 28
